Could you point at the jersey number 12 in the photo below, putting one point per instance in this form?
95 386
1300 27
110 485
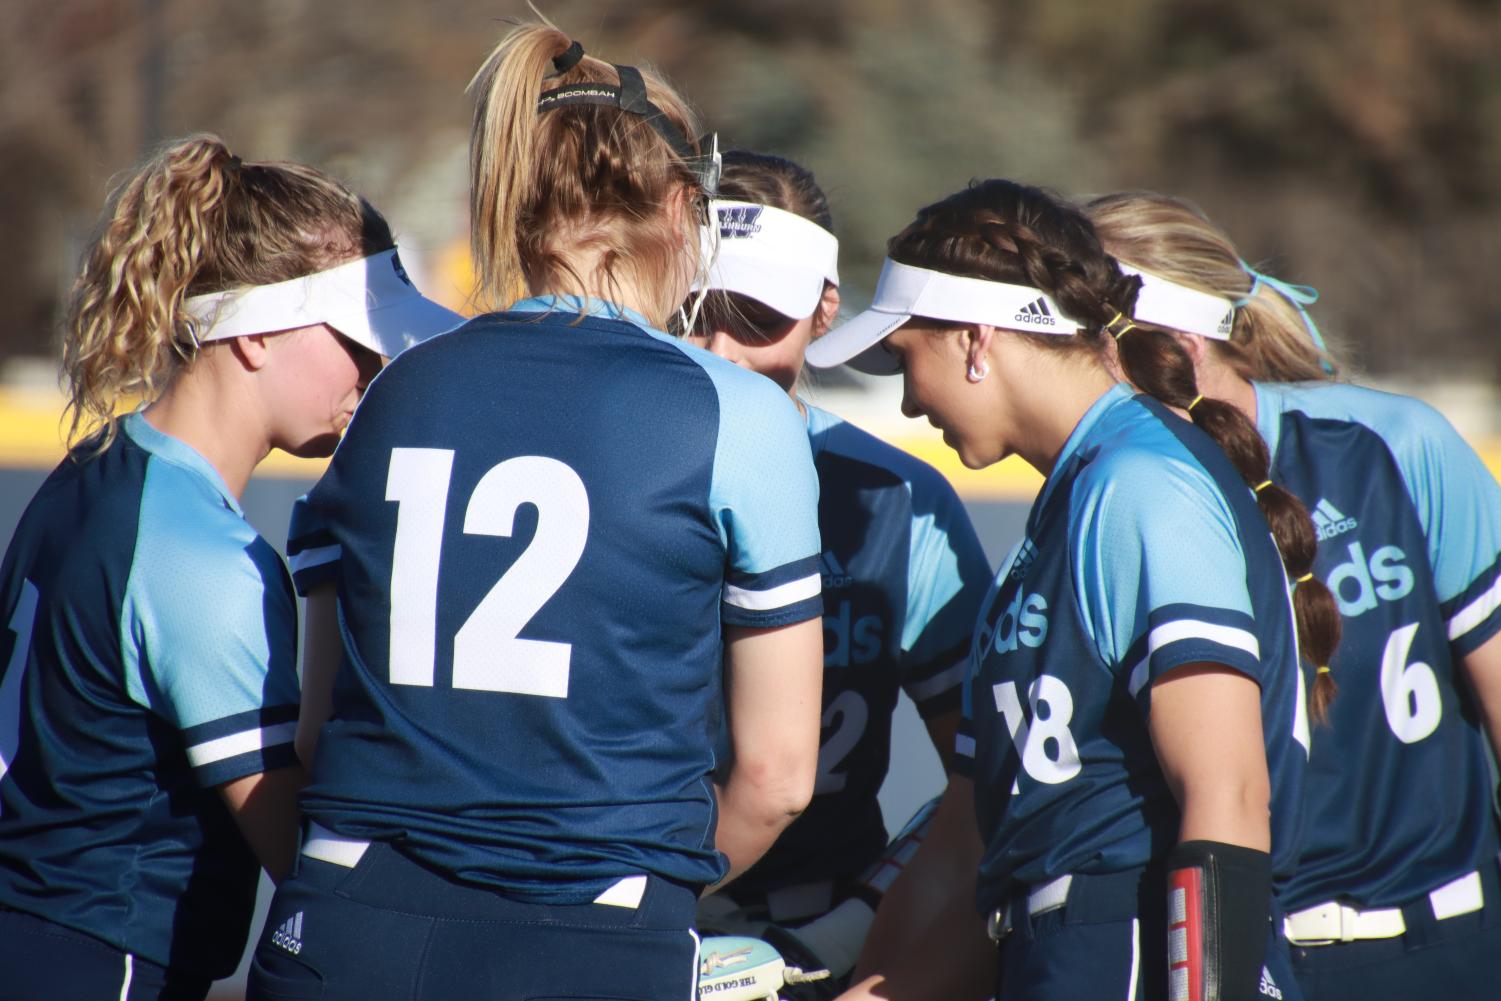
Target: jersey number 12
488 653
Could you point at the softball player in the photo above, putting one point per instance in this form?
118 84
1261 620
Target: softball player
1136 727
1396 895
548 531
903 571
149 689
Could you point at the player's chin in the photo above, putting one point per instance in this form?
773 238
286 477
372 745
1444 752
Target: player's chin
318 447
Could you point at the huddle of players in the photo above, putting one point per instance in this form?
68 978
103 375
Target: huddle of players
1154 790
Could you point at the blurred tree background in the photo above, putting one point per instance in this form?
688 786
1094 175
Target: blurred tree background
1350 144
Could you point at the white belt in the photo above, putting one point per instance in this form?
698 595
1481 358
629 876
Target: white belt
326 846
1332 921
1046 897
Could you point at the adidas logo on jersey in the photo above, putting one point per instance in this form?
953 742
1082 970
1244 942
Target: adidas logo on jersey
289 935
1037 314
1269 988
1329 522
833 571
740 221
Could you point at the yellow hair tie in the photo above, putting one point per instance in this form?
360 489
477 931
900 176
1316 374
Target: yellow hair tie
1118 317
1196 401
1262 486
1324 669
1124 330
1305 578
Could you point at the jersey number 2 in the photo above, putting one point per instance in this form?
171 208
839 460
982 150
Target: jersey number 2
10 686
488 653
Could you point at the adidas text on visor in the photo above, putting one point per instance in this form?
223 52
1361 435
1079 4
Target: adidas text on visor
1167 304
775 257
370 300
904 291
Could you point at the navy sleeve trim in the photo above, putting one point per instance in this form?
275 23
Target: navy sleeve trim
250 763
781 590
244 734
1185 634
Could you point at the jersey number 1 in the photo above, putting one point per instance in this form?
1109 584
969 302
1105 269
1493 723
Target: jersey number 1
488 652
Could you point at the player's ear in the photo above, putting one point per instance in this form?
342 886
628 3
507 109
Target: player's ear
251 350
828 310
977 338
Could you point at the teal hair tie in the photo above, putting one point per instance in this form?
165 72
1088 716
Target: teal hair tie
1301 297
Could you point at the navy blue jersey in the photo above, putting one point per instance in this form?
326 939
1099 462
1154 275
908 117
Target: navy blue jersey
537 524
1145 551
150 657
903 578
1409 529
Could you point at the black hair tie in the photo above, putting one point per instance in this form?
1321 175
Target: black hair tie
569 59
235 162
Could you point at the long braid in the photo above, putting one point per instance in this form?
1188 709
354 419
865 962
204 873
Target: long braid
995 230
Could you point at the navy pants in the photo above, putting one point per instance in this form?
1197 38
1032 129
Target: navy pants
391 930
1108 942
1457 959
43 961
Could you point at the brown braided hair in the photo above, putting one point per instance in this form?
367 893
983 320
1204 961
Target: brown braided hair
1003 231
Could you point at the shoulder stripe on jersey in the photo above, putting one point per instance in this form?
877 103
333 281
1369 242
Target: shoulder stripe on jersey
310 558
773 597
1476 612
257 739
1191 629
940 682
964 745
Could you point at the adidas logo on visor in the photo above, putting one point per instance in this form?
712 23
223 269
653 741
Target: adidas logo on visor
1227 323
739 221
1328 521
1037 314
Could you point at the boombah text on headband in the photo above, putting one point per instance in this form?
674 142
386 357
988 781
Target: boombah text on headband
904 291
775 257
371 301
631 97
1168 304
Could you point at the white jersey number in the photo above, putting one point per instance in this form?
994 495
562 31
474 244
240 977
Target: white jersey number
488 653
852 713
21 622
1409 692
1051 727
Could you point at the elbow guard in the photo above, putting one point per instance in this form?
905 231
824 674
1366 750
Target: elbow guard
1218 914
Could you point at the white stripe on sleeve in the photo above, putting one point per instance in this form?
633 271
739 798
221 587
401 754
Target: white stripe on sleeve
1191 629
315 557
239 743
1475 612
940 682
964 745
773 597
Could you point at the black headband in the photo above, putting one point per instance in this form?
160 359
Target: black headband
630 96
569 59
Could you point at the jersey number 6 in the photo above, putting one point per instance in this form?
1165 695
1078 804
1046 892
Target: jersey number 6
488 653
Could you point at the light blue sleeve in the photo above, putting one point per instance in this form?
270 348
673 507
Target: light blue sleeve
1458 503
763 493
947 579
1160 572
209 630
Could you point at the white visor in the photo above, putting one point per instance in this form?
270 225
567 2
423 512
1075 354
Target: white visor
371 301
903 292
1178 307
777 258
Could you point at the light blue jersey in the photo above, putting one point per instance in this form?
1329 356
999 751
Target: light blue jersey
150 657
1144 552
1409 527
903 578
538 525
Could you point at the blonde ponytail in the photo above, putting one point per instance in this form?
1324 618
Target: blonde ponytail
578 180
126 335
